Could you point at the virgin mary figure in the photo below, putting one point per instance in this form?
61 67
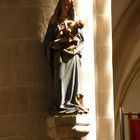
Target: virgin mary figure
64 53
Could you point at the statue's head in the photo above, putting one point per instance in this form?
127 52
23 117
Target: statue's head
66 6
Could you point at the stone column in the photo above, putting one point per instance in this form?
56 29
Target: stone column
68 127
24 84
103 62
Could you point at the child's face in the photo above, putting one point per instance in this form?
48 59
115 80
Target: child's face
79 24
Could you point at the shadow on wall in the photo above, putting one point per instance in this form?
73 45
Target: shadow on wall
25 85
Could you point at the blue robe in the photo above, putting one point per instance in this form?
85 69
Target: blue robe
65 67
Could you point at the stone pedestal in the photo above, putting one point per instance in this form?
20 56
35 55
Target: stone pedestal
68 127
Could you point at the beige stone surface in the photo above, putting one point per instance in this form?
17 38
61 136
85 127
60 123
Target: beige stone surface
4 75
39 101
118 9
68 126
21 20
26 51
24 74
59 120
14 3
103 30
38 137
103 7
28 74
5 53
105 106
106 130
22 125
104 75
13 100
30 22
103 68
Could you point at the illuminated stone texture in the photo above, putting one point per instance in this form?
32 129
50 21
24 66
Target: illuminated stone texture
68 127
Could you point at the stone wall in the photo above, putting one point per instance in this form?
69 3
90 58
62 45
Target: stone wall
24 76
103 66
25 87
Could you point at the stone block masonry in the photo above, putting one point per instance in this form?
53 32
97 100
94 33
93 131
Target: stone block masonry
25 89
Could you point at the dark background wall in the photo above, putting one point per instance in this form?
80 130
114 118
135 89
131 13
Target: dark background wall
24 75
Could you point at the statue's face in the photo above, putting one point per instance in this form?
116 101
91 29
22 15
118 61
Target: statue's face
66 5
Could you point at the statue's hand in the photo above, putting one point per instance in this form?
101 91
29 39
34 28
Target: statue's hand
73 41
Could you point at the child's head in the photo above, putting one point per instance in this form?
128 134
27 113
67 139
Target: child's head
79 24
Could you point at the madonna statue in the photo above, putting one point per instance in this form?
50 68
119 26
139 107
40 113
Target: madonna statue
63 45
